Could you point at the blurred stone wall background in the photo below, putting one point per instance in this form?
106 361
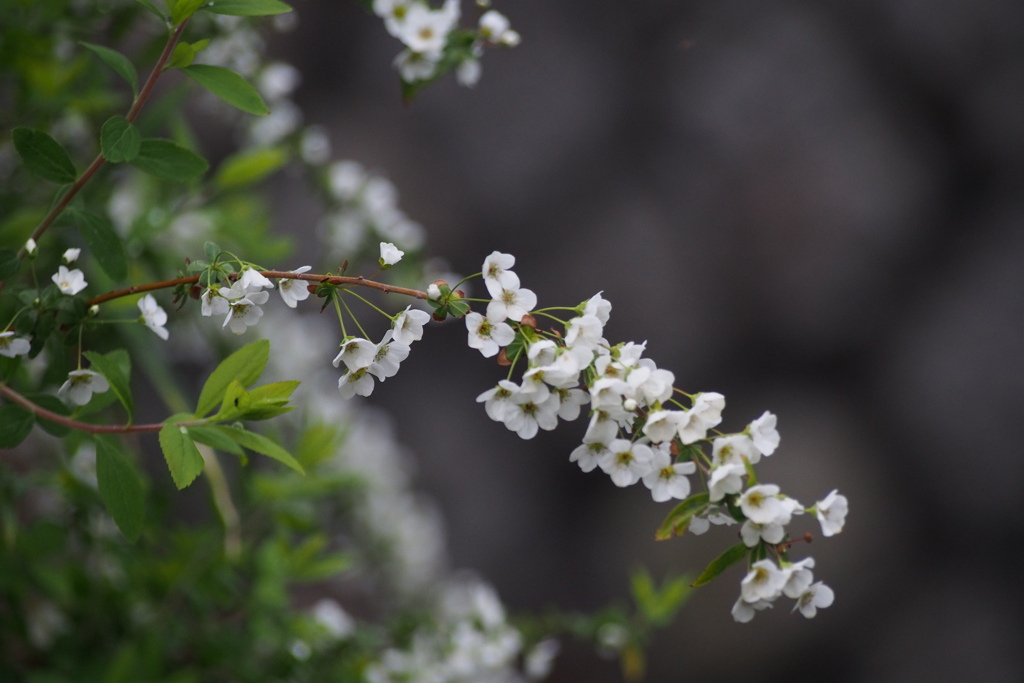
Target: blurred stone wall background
812 207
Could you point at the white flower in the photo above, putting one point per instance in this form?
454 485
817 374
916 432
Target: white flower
388 357
570 401
252 280
744 611
293 290
30 247
584 330
725 480
408 326
527 412
425 30
817 595
733 449
800 578
539 660
497 273
763 433
213 303
493 25
497 400
356 382
764 581
357 353
70 282
511 304
708 407
81 385
390 254
245 312
588 454
662 425
752 533
71 255
667 480
831 513
346 178
333 618
12 346
761 504
487 336
626 463
468 72
154 316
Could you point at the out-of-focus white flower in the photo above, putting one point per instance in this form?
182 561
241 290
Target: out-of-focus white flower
154 316
11 345
81 385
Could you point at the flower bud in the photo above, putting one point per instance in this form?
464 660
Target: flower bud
30 248
434 291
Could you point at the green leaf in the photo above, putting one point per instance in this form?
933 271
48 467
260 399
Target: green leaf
268 400
44 156
185 53
658 607
120 487
214 439
721 563
247 8
153 8
9 263
183 9
119 140
183 458
678 519
249 167
168 161
260 444
245 365
118 62
109 365
54 405
234 404
229 86
103 243
15 425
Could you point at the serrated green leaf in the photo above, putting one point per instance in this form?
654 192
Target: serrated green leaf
54 405
721 563
183 458
118 62
214 439
9 263
245 365
229 86
103 243
261 444
15 425
168 161
249 167
43 155
678 519
268 400
119 140
247 8
109 365
120 487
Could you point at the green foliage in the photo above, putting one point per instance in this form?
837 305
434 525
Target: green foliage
183 458
15 425
244 366
44 156
103 243
247 8
169 161
248 167
678 520
112 366
229 86
118 62
659 607
119 140
120 487
721 563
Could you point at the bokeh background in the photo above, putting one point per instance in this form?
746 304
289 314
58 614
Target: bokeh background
812 207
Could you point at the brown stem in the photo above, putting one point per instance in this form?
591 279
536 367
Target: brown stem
357 281
98 162
65 421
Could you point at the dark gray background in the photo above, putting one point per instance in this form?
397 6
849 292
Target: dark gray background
812 207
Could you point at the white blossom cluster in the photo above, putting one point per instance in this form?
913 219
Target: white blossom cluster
471 642
425 32
366 205
640 431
